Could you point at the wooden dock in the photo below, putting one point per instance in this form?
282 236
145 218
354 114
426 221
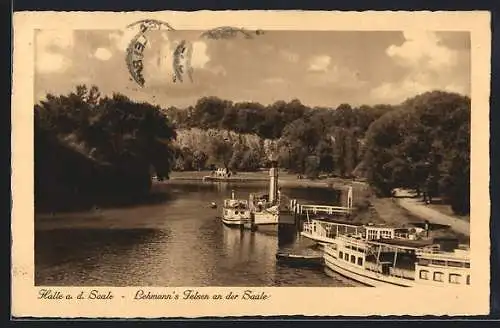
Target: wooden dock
301 209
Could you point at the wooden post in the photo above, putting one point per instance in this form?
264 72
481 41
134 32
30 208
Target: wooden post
395 257
378 254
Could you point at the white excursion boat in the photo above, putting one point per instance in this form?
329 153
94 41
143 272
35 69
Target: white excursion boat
398 262
260 212
324 232
236 212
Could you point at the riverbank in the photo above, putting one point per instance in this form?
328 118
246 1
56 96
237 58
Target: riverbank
285 179
404 211
419 209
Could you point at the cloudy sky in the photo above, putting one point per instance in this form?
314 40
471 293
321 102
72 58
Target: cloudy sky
319 68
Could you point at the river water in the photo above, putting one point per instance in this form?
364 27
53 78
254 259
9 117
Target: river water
177 241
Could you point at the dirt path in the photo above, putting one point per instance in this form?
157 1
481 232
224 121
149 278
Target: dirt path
419 209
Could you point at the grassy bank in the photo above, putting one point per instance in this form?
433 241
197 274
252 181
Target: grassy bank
372 209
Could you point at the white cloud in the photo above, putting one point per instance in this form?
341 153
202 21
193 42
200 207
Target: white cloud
422 48
319 63
335 76
218 70
159 66
122 39
102 54
274 80
62 39
289 56
199 57
47 62
397 92
429 64
50 48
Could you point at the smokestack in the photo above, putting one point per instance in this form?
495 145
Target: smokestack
273 182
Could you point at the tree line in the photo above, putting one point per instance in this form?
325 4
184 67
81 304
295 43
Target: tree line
305 140
422 143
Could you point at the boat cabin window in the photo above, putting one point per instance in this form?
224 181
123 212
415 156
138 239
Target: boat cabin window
372 234
360 261
385 234
341 254
353 259
467 265
423 261
456 264
438 276
424 274
346 257
454 278
468 279
226 212
439 262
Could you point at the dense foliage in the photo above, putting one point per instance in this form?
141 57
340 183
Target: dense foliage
89 148
243 136
421 144
425 145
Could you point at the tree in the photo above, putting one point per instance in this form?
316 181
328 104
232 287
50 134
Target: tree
114 136
424 144
199 160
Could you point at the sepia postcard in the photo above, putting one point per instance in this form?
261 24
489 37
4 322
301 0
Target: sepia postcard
250 163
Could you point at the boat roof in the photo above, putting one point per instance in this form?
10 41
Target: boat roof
403 243
329 220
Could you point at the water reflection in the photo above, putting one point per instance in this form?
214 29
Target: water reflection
176 243
69 256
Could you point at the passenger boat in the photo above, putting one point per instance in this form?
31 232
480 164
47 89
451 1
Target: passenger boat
398 262
236 212
324 232
265 208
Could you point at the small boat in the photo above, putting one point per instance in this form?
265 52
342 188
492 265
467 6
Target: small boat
236 212
302 260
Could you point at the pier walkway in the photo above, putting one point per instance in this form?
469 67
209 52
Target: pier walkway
297 208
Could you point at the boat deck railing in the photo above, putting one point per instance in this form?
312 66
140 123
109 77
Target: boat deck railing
297 208
393 271
233 203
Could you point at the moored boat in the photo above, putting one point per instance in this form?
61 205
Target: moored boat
236 212
397 262
324 232
301 260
